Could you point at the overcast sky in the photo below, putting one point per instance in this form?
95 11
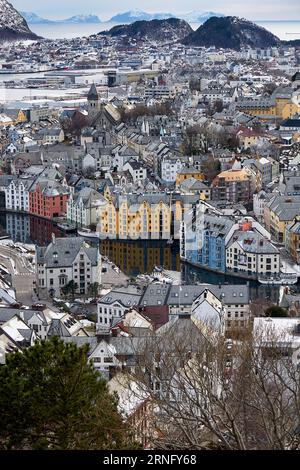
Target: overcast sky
252 9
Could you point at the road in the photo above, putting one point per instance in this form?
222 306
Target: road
21 272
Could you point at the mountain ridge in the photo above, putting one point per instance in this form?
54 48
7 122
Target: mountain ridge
231 32
13 26
166 30
33 18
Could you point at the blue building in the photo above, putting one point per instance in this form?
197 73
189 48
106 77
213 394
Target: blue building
204 242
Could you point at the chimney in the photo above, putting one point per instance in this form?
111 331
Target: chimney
53 238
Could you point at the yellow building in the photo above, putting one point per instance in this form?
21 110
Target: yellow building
188 172
283 104
151 216
279 213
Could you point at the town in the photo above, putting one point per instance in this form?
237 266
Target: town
150 208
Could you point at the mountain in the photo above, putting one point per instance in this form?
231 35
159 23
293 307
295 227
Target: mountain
231 32
169 30
197 17
13 26
82 19
33 18
138 15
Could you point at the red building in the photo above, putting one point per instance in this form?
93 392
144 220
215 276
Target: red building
48 199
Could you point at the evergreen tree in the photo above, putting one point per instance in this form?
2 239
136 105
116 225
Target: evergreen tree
52 398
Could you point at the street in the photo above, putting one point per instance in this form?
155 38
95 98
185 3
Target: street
21 270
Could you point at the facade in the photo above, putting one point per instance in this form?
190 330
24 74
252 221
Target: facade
115 304
17 195
168 167
292 239
65 260
248 252
204 242
83 207
188 172
48 199
232 185
280 212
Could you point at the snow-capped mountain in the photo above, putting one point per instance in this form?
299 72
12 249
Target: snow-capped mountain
197 17
139 15
33 18
82 19
12 24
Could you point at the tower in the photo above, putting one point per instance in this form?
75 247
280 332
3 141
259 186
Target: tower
93 101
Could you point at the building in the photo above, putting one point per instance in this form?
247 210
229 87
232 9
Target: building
232 185
65 260
115 304
249 252
277 336
203 243
17 195
136 169
48 199
83 207
169 166
280 212
292 239
188 172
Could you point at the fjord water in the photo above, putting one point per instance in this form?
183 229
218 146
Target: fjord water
285 30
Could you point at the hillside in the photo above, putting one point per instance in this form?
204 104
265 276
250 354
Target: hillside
13 26
231 32
167 30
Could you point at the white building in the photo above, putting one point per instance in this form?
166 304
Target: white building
84 207
17 195
251 253
281 335
137 171
169 167
115 304
65 260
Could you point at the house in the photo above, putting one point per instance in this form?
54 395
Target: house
203 240
292 239
136 169
187 172
115 304
54 135
232 185
191 185
45 322
234 298
280 212
83 207
251 253
65 260
168 167
277 337
247 138
17 195
48 198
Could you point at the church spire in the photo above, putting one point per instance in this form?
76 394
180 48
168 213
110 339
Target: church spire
93 93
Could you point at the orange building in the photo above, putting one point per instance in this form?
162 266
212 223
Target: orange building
48 199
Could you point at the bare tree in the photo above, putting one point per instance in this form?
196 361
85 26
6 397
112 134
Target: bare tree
209 396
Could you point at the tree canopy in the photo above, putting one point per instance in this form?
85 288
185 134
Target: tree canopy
52 398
